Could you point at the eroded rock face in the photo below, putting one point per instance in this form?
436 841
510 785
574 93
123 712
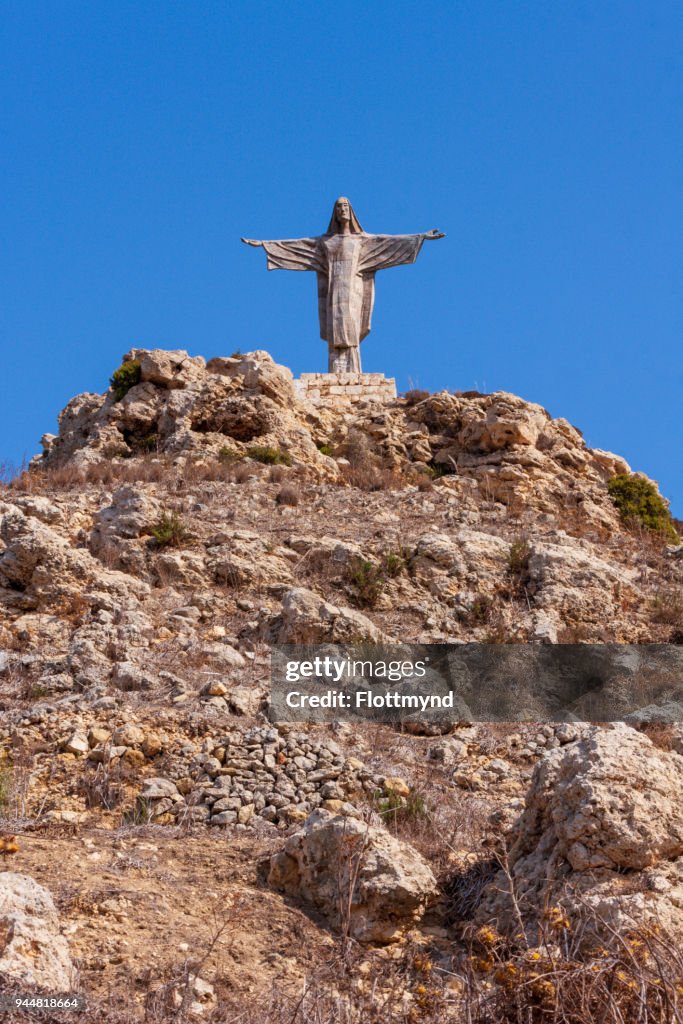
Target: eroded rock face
41 562
182 404
33 953
393 884
601 835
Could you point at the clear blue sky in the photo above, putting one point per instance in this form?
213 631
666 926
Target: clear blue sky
140 140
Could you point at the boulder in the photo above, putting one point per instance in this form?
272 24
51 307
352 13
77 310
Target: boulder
33 952
306 618
601 835
336 861
167 369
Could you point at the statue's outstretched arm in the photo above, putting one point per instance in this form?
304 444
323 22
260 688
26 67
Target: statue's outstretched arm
383 251
290 253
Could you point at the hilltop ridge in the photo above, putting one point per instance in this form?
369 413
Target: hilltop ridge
194 514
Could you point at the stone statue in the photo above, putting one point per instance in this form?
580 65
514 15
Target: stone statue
345 259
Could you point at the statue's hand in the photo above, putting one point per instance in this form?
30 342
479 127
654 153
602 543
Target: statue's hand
251 241
431 235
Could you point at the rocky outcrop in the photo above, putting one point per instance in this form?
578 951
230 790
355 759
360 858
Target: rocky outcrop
181 404
43 564
358 876
601 835
33 953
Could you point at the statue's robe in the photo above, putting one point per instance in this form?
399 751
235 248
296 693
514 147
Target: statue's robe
345 265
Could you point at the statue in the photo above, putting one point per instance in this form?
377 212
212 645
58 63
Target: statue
345 259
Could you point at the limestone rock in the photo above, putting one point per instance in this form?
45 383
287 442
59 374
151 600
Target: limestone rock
570 577
181 404
131 513
394 884
42 562
243 558
167 369
602 818
307 618
33 953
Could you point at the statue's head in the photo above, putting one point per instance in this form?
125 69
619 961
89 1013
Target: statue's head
343 213
342 210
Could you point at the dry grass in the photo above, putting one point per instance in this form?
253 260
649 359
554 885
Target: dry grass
287 495
667 607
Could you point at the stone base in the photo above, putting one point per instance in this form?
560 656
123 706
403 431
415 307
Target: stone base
343 388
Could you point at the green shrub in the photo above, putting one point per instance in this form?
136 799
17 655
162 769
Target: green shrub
125 378
226 456
481 609
170 531
270 456
326 449
397 810
148 443
394 562
5 788
640 503
518 556
518 565
368 582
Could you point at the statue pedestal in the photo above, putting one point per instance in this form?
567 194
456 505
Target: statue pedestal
345 388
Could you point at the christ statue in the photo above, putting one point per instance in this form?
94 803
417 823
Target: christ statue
345 259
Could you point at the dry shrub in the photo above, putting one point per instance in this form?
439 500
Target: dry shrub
485 611
15 785
662 735
277 474
109 473
106 786
631 978
365 469
519 556
415 395
356 986
372 478
575 633
287 495
666 607
463 888
242 473
357 450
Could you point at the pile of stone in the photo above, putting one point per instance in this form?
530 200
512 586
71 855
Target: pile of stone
260 774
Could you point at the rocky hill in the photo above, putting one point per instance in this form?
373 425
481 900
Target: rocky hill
198 856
